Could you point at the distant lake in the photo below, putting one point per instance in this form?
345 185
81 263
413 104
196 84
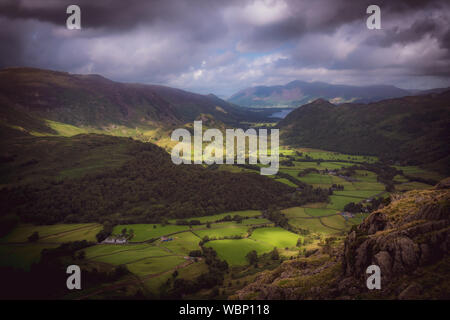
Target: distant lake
281 114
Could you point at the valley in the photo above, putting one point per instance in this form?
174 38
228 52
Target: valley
157 255
91 182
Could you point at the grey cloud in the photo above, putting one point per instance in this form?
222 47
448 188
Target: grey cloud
210 45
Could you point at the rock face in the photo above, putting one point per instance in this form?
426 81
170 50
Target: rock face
411 232
409 240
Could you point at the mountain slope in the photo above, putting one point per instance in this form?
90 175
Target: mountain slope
92 100
47 180
409 240
298 92
412 130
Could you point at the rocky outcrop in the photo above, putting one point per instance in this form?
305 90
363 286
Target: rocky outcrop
409 240
412 232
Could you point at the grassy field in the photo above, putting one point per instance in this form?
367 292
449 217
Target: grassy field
155 265
234 251
312 219
182 243
143 232
335 222
276 237
319 212
339 202
415 171
295 212
286 181
54 233
214 218
363 194
328 155
412 186
126 255
315 178
255 221
313 225
229 231
104 250
155 284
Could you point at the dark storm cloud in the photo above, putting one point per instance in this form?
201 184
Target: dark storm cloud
324 16
114 15
222 46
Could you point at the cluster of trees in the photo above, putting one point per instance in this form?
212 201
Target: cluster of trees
287 163
385 173
353 207
253 259
310 194
298 183
337 187
371 206
214 277
375 203
105 232
144 189
47 278
306 171
206 239
194 222
276 217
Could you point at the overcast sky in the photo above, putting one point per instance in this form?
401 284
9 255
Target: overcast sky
221 47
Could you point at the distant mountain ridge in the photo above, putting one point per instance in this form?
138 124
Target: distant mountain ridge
411 130
298 92
92 100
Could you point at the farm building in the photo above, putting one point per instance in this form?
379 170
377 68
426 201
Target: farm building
347 215
112 240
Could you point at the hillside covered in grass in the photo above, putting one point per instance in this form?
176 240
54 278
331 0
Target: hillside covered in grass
411 130
97 102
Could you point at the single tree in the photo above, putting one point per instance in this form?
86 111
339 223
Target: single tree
34 237
252 257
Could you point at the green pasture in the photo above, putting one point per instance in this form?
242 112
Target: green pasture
415 171
230 231
234 251
339 202
126 256
54 233
109 249
312 224
275 236
363 194
155 265
182 243
287 182
295 212
335 222
255 221
144 232
319 212
412 186
214 218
